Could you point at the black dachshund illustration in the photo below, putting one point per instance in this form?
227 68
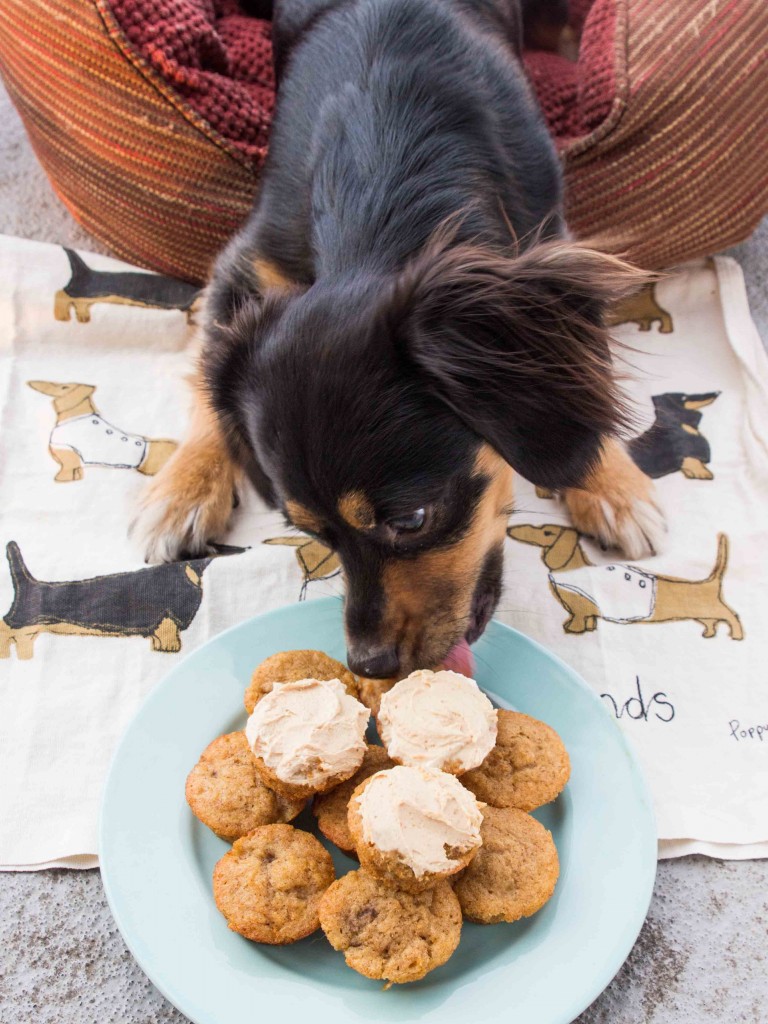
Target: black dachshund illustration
673 444
157 603
643 310
125 287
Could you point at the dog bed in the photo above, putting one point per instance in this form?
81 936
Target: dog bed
152 120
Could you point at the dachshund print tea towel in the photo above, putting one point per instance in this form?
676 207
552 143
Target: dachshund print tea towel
93 356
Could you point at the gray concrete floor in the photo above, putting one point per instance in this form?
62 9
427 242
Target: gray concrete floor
701 958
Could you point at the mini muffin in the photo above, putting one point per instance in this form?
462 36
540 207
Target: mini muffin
226 792
515 871
307 736
287 666
413 827
389 934
330 809
440 720
528 767
269 884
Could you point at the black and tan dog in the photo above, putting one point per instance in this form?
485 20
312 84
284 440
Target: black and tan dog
86 287
157 603
627 594
402 321
674 443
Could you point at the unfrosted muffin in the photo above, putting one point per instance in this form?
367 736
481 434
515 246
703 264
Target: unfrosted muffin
226 792
440 720
514 872
287 666
268 886
372 690
528 766
414 826
307 736
331 808
387 933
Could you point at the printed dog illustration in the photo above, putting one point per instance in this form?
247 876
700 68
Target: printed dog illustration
316 561
82 437
643 310
624 593
158 603
674 444
87 287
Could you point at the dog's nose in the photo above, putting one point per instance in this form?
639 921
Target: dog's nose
373 662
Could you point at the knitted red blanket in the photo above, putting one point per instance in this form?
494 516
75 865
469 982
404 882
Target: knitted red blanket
220 61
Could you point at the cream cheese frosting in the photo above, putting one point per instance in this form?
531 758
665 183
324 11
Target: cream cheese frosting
309 731
437 720
417 813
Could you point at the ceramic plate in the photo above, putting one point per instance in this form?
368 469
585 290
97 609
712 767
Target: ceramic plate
157 859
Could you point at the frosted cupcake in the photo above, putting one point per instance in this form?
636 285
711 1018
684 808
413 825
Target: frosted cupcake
439 720
307 736
414 827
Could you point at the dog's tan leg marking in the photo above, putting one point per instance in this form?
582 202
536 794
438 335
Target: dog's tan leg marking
166 637
158 453
544 492
70 462
616 505
189 502
62 305
694 469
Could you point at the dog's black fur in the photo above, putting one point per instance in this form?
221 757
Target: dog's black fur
411 207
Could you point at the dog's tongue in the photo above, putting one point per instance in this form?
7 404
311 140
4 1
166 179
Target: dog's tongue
461 659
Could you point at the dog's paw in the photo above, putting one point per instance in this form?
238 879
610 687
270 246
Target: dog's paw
185 508
618 507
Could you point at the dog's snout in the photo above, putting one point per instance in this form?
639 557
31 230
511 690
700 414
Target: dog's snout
373 662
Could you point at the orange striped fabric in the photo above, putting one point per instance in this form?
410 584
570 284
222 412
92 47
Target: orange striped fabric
135 166
677 169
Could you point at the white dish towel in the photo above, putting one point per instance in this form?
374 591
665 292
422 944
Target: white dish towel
86 629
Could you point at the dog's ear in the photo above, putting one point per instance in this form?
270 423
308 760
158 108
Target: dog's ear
517 347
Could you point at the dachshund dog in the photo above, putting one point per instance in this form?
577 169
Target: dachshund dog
403 321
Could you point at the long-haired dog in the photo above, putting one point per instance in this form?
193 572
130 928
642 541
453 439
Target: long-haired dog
402 322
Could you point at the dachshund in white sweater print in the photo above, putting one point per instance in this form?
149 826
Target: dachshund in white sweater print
82 437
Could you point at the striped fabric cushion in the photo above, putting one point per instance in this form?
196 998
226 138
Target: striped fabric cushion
154 134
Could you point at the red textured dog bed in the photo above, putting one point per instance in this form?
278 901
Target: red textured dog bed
152 119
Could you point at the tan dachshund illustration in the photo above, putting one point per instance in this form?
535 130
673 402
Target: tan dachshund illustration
643 310
316 561
82 437
86 287
157 603
626 593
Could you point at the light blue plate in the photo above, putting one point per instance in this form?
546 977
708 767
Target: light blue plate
157 859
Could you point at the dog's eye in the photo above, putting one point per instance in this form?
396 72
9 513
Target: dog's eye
409 523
